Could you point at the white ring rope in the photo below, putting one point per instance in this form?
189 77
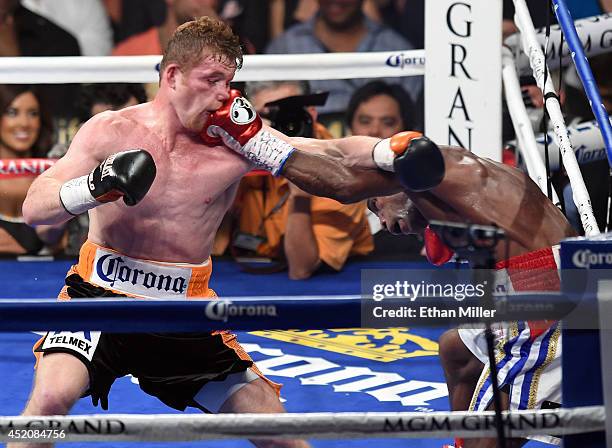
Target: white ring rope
170 427
532 48
522 125
594 32
267 67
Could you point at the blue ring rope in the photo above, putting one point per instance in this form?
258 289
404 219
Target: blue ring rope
261 313
586 75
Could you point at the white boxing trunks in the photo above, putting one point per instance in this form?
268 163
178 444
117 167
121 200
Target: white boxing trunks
528 354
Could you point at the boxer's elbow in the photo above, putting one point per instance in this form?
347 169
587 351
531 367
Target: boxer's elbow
30 212
35 215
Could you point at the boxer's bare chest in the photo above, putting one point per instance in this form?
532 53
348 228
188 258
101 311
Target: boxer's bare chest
193 188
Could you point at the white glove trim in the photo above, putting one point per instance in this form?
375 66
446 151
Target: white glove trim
76 197
383 156
264 149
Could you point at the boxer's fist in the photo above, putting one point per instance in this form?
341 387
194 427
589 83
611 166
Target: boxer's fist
237 126
415 159
236 122
437 252
126 174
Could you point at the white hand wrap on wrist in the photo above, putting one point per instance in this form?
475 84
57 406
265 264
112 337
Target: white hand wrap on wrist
264 149
75 196
268 151
383 155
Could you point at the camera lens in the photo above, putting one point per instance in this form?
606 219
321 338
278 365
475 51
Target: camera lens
294 123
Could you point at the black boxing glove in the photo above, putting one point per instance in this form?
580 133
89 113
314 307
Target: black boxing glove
415 159
126 174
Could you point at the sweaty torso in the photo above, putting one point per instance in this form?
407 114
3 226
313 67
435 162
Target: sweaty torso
496 194
179 216
529 219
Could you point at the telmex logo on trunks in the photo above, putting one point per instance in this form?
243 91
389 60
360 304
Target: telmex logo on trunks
140 278
398 60
223 309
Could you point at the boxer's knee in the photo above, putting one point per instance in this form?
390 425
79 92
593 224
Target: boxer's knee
451 349
60 381
456 359
47 399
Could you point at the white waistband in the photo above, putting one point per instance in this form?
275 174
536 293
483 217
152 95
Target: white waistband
138 277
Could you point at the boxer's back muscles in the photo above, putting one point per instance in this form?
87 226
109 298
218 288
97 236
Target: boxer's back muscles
481 191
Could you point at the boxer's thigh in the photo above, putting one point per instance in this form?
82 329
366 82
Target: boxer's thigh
60 380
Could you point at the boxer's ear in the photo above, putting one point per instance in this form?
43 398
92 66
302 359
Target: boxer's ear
171 73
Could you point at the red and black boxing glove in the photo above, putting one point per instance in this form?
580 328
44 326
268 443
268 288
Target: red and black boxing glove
236 117
237 125
415 159
437 252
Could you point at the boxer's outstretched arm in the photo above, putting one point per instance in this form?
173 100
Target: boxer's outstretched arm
341 169
355 151
322 175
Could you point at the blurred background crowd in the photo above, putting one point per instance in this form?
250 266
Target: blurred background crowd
271 219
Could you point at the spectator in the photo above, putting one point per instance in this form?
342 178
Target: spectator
96 98
341 26
407 17
537 10
380 110
283 14
595 174
134 16
25 33
25 132
286 13
247 18
87 20
153 40
318 232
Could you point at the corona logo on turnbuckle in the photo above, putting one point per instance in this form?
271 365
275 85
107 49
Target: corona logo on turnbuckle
585 258
384 345
224 309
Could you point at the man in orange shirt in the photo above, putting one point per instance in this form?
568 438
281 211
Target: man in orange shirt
154 40
313 231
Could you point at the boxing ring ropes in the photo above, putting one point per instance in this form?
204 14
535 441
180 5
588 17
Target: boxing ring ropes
282 313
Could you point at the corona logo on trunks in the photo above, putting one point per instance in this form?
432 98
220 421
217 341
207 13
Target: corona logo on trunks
241 111
224 309
138 277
